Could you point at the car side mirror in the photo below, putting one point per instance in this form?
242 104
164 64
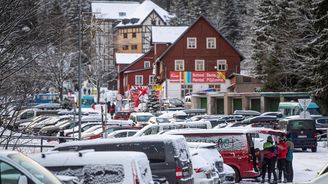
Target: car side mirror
22 179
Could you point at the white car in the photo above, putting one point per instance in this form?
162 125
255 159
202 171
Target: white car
88 166
122 133
213 160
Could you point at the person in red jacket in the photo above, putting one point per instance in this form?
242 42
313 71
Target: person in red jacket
282 154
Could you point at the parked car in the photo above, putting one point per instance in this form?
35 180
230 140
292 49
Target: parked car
302 132
99 167
210 170
277 113
157 120
18 168
122 133
321 125
122 115
204 171
236 146
28 114
54 129
262 121
140 119
154 129
99 133
247 113
168 155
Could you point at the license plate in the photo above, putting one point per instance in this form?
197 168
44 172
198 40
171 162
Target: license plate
302 136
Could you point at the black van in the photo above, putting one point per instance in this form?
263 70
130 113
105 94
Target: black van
302 132
168 155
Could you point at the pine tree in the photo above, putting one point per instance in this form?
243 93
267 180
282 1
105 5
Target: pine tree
153 102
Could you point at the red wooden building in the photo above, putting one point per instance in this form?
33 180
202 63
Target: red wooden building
199 59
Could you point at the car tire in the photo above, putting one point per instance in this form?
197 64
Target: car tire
237 175
314 149
303 149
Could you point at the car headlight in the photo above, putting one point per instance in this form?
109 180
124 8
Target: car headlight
219 166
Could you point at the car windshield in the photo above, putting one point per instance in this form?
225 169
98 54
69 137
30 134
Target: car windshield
143 118
301 125
322 121
34 168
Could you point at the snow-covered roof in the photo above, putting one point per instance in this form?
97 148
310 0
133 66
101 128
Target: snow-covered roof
143 10
113 9
167 34
127 58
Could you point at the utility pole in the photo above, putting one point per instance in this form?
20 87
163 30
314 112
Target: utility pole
79 69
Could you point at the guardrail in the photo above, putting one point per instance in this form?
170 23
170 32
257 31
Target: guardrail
16 141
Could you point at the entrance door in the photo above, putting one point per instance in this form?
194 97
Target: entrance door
237 104
220 106
256 105
203 103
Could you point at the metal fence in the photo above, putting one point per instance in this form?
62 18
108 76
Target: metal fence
29 141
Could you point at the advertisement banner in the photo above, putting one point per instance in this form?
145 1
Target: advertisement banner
197 77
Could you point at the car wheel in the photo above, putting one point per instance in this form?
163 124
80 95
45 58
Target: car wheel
314 149
303 149
237 175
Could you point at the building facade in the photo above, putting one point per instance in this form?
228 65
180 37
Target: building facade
199 59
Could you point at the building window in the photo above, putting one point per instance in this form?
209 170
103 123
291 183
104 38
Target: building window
216 87
134 47
186 89
199 65
125 47
211 43
134 35
139 80
191 43
125 35
179 65
221 65
152 79
146 64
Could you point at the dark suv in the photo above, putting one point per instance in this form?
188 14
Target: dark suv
302 132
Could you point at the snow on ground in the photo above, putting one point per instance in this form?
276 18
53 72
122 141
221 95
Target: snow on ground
307 164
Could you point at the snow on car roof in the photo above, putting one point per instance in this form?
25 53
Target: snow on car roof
142 113
167 34
113 10
149 138
56 158
237 130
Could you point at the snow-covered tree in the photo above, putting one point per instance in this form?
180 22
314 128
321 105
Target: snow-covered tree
153 102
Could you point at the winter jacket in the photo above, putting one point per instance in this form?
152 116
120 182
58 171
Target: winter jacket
290 150
268 150
282 150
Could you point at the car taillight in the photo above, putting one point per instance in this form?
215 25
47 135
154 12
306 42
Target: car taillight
136 180
178 173
315 135
198 170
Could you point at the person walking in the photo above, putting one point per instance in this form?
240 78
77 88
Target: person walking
289 159
268 155
282 154
112 110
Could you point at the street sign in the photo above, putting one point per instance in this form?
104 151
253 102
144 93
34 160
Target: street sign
305 115
304 103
